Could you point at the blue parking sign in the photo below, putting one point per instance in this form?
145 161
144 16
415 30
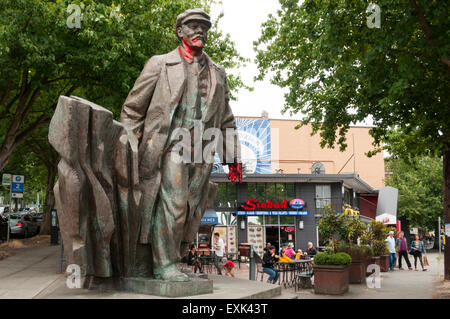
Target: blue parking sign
17 187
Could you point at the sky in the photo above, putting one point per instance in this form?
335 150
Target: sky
242 20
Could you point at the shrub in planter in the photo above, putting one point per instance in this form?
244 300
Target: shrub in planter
376 235
331 273
360 256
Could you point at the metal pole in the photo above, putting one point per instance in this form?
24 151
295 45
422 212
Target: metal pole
354 159
252 272
62 257
10 211
439 235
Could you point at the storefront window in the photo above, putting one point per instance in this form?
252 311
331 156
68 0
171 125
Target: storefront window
252 190
287 220
255 220
226 219
275 192
290 191
347 196
323 195
226 197
261 191
272 220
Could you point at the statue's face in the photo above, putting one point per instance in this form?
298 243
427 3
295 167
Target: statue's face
195 33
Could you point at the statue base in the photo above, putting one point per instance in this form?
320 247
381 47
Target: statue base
195 286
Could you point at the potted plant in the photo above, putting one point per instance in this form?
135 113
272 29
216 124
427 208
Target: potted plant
333 226
354 228
331 275
360 254
376 234
380 250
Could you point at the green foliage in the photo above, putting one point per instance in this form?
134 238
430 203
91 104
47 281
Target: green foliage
357 252
27 163
355 228
375 236
419 182
380 247
42 58
338 71
325 258
346 228
332 224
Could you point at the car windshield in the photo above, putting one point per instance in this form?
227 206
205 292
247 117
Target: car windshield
15 216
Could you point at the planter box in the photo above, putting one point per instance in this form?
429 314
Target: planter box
357 272
331 279
373 260
384 263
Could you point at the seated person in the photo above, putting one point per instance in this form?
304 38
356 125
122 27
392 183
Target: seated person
289 252
193 259
269 260
311 251
228 265
298 255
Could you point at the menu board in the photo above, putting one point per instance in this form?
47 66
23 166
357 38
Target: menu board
232 239
255 237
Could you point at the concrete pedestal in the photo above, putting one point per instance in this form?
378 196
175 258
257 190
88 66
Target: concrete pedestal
195 286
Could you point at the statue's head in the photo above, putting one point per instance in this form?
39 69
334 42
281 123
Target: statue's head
192 27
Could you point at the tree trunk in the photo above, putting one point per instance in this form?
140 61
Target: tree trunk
446 189
49 202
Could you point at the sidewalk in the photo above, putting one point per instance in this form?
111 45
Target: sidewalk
34 273
397 284
30 271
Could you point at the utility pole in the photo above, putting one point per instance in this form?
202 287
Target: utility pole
439 235
354 159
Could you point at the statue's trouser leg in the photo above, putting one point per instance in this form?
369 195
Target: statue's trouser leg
170 214
198 192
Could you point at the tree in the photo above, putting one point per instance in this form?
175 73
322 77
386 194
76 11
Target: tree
24 162
419 183
38 143
339 70
41 57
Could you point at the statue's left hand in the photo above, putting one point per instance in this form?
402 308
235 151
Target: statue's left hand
235 172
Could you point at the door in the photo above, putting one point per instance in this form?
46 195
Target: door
273 236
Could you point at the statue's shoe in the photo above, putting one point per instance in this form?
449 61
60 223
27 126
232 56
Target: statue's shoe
172 274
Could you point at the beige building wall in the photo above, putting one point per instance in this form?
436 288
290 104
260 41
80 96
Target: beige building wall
298 149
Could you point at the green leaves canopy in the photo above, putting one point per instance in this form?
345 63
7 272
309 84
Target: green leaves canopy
419 184
339 71
42 58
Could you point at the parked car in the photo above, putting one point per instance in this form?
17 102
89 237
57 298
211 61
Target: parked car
23 224
38 217
4 210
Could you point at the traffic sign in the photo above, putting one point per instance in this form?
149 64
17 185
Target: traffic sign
18 179
17 187
17 195
6 180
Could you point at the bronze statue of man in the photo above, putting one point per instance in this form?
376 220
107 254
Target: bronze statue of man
178 90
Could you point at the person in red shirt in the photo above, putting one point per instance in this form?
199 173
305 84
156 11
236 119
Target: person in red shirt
228 265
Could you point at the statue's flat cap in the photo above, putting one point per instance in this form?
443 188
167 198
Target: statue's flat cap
193 14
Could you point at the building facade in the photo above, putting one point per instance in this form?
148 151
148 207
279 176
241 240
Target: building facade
284 164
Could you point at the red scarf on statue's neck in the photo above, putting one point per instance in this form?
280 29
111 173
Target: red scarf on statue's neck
186 52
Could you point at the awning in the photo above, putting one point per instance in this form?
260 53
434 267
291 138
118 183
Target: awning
210 217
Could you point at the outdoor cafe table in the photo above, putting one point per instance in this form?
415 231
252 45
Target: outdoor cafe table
288 271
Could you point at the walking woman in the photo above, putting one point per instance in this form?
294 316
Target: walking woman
417 250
